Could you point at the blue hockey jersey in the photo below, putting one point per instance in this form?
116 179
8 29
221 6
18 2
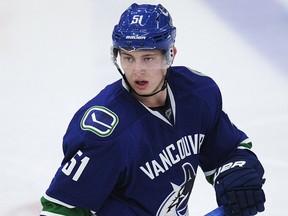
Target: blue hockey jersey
123 158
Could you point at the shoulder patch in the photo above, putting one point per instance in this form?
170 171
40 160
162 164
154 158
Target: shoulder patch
99 120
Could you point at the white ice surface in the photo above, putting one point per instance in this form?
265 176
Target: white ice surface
55 55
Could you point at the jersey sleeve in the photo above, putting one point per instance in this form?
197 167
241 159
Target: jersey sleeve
91 168
222 138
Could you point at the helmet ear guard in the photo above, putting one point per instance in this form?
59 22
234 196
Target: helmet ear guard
169 56
114 54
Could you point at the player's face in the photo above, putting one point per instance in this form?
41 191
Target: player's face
144 69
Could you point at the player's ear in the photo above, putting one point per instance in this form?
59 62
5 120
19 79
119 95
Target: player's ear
174 51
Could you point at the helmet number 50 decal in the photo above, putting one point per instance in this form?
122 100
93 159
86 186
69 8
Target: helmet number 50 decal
99 120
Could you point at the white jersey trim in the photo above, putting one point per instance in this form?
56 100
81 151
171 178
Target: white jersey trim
208 173
45 213
57 201
173 107
172 101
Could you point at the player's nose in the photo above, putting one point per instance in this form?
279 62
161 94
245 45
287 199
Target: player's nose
138 67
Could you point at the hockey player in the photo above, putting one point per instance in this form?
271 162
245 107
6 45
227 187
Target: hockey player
134 149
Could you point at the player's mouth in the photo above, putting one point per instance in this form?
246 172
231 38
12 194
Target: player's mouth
141 84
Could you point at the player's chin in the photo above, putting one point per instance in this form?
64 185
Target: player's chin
141 92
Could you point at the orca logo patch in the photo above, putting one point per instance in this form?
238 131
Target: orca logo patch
176 203
99 120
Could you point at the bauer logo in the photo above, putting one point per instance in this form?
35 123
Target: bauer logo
100 121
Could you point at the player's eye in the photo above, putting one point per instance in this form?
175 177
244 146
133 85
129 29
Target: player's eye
148 59
128 58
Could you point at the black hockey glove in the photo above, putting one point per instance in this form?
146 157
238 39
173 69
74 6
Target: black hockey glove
238 185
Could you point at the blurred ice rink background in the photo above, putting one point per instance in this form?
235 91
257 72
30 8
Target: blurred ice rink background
55 55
